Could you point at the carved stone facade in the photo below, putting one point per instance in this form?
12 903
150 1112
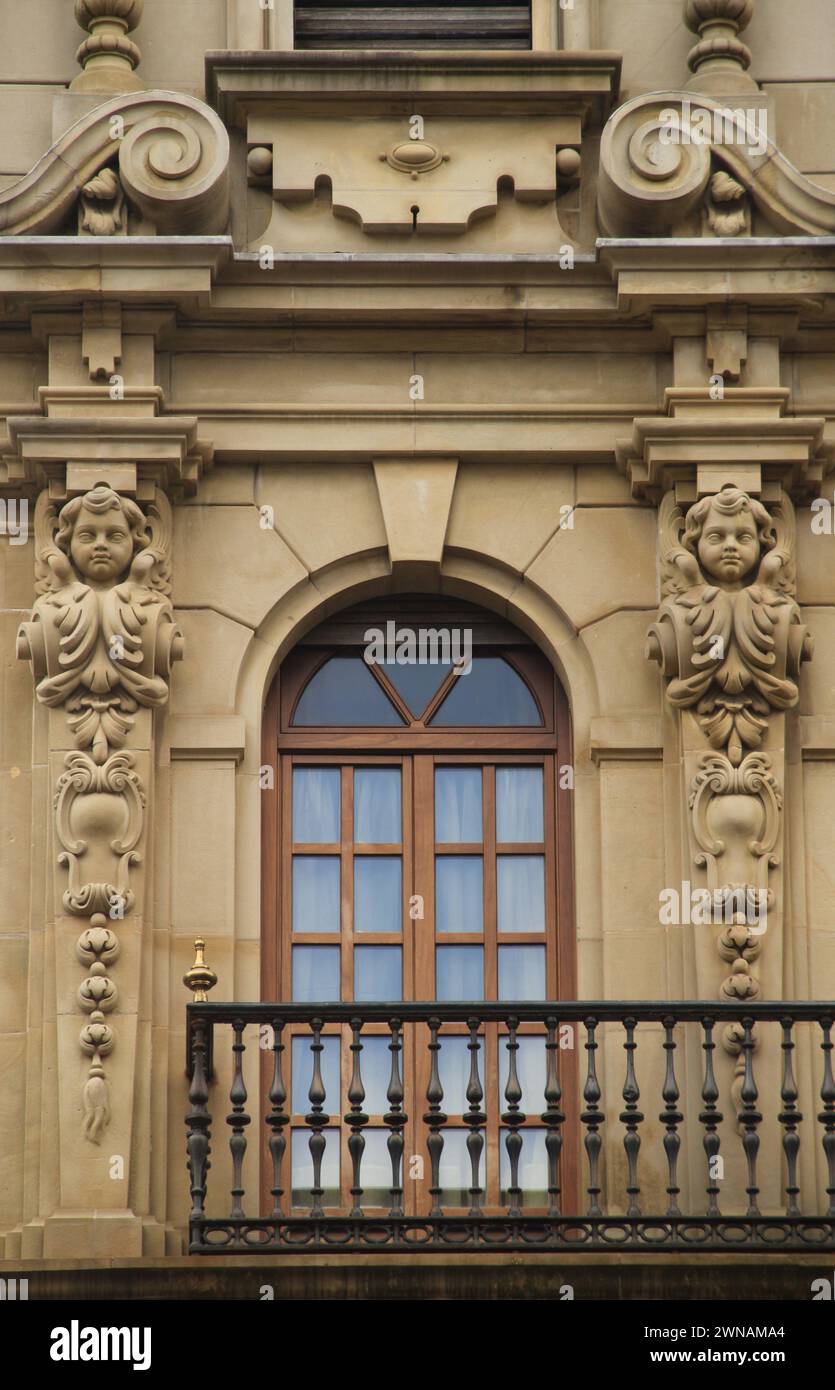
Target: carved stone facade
288 330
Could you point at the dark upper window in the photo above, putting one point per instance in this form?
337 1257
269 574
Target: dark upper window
444 24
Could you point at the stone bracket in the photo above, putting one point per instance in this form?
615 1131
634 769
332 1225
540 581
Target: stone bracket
742 437
86 436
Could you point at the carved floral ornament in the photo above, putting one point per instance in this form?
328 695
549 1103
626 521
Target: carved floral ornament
101 642
730 641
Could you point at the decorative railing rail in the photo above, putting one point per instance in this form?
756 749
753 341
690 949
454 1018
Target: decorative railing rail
288 1220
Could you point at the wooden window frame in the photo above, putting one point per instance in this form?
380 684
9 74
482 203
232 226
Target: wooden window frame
417 747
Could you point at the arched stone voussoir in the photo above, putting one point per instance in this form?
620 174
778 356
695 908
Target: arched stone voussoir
659 152
173 165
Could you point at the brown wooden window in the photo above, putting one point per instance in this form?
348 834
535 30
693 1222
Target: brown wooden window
489 24
419 849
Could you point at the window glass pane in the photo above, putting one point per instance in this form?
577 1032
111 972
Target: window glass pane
416 681
458 806
519 805
377 806
343 691
303 1074
378 893
532 1176
456 1169
530 1069
490 693
454 1071
315 892
375 1169
459 892
315 974
520 889
316 805
375 1061
460 972
378 973
521 972
302 1172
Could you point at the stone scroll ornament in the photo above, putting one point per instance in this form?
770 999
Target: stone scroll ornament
101 641
730 640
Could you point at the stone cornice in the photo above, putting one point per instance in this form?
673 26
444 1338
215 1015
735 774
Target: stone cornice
398 83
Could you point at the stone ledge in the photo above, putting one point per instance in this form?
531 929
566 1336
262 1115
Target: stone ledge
206 736
626 736
495 1277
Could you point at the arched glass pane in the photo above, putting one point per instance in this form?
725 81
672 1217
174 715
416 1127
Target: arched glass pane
344 692
490 693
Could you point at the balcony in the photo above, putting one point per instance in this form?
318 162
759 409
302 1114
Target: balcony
711 1152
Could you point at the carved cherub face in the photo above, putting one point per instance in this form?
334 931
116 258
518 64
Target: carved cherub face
101 546
101 532
729 546
728 533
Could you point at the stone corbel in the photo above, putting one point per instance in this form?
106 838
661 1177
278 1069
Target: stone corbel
101 642
674 163
166 155
730 643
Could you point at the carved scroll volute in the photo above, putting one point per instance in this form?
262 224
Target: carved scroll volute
101 642
730 642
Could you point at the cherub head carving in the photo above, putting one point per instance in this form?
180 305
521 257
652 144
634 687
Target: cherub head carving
729 533
101 532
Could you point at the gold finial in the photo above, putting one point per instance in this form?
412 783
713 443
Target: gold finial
200 978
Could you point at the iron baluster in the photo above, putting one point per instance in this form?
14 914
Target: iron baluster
199 1121
395 1119
476 1118
435 1119
356 1118
277 1118
552 1117
827 1115
591 1118
513 1118
671 1117
317 1119
238 1120
790 1117
750 1116
631 1117
711 1118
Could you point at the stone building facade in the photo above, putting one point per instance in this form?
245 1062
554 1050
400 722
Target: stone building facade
536 339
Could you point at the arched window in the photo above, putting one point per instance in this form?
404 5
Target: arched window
418 848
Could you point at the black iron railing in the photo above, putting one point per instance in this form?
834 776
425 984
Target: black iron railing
279 1217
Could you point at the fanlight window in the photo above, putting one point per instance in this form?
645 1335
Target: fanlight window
346 692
